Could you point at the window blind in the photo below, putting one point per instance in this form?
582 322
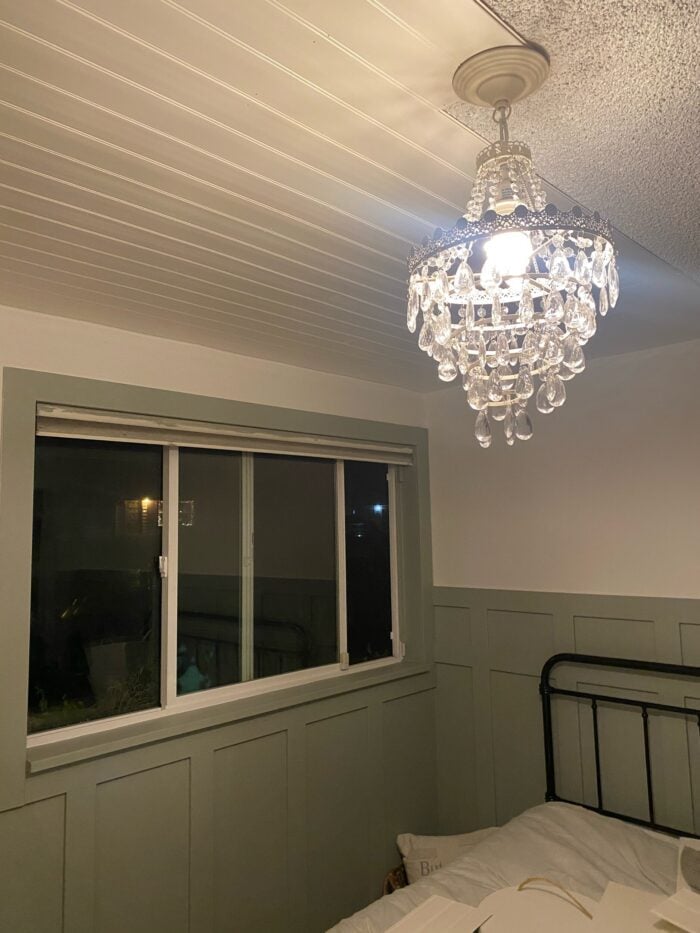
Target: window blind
94 424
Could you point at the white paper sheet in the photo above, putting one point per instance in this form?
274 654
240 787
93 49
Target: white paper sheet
440 915
628 910
683 909
539 908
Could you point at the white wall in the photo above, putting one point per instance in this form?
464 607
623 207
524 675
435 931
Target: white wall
605 498
53 344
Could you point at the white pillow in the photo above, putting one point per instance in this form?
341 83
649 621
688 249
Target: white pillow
423 855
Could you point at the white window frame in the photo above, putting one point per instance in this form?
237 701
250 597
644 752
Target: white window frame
62 423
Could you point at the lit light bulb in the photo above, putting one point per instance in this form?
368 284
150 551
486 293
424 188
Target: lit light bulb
509 253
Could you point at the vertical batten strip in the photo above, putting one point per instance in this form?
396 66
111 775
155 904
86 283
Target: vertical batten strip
596 747
341 575
247 567
171 515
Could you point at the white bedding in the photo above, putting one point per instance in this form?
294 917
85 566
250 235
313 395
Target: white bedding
580 849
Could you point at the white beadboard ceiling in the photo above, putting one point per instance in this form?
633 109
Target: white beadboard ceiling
250 174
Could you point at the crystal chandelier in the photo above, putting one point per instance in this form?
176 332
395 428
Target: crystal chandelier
508 298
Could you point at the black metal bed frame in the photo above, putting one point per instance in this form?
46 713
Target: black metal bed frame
547 691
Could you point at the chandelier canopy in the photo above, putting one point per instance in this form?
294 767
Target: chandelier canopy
508 298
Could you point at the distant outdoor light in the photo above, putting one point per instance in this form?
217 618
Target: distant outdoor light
377 509
523 279
142 516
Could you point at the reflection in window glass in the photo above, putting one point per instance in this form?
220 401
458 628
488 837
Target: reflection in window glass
295 564
209 570
368 564
95 609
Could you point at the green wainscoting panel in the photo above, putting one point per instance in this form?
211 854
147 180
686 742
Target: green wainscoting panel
623 638
32 867
491 645
453 638
690 642
519 642
518 763
336 878
251 835
142 858
409 767
454 733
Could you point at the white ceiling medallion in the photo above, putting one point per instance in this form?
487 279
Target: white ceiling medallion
509 295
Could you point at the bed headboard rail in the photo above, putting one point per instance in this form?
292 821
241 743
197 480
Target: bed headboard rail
548 691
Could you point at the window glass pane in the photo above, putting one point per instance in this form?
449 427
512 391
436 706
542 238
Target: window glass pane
368 565
95 610
295 564
209 566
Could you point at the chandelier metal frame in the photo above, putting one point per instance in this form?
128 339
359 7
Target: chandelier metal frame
550 219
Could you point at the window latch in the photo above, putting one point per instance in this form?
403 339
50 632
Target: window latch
163 566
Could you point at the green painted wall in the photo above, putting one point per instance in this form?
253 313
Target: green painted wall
272 813
490 646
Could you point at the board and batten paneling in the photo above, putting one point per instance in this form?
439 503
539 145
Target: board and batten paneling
284 821
490 648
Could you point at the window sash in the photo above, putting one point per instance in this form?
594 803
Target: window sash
248 686
171 699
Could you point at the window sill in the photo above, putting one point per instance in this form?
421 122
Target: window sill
47 751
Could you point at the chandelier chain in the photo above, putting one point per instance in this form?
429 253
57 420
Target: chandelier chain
500 115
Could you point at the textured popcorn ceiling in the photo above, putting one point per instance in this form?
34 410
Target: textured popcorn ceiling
617 125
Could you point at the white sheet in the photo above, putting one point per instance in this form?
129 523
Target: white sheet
626 910
579 849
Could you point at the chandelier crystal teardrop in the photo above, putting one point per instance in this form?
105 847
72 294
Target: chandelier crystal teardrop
508 298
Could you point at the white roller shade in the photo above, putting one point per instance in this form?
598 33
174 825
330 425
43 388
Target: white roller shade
62 421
